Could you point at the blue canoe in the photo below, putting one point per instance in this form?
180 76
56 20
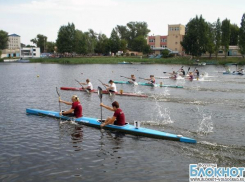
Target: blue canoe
148 84
126 128
232 73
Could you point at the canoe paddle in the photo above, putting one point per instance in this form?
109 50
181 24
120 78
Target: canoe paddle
188 70
100 96
82 86
105 86
59 97
102 83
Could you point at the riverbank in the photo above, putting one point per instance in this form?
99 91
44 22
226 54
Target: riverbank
139 60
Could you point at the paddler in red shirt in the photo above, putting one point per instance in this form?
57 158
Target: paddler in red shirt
76 107
118 118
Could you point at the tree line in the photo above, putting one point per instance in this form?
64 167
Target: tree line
132 36
200 37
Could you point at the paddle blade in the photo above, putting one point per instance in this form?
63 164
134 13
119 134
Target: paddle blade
57 91
100 92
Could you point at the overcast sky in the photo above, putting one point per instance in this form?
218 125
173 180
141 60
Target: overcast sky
28 18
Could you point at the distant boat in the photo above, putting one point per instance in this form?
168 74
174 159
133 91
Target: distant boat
124 62
23 60
200 64
10 60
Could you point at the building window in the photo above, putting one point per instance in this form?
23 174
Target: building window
34 49
176 36
151 40
220 52
152 46
34 54
176 42
176 49
163 40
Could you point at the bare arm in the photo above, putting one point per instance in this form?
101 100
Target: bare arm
107 107
82 83
67 103
105 84
67 112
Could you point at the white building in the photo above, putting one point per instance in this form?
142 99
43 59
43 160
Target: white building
30 52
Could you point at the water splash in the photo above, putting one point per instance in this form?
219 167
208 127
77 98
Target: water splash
205 124
160 115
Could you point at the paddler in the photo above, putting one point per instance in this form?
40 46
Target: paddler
241 72
111 87
89 85
182 71
76 107
118 117
174 75
151 80
190 76
197 73
133 78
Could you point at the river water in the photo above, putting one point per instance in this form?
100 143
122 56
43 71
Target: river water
35 148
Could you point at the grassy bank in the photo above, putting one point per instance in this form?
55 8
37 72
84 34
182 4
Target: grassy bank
116 60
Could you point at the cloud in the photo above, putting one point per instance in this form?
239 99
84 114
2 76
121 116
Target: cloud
29 18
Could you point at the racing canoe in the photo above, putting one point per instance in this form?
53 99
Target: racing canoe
232 73
104 92
148 84
130 129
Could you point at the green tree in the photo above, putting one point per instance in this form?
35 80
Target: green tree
102 44
139 43
165 53
40 41
136 29
91 41
234 34
114 41
50 47
225 38
210 35
123 45
66 38
3 39
147 49
122 32
217 37
241 42
80 46
195 41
